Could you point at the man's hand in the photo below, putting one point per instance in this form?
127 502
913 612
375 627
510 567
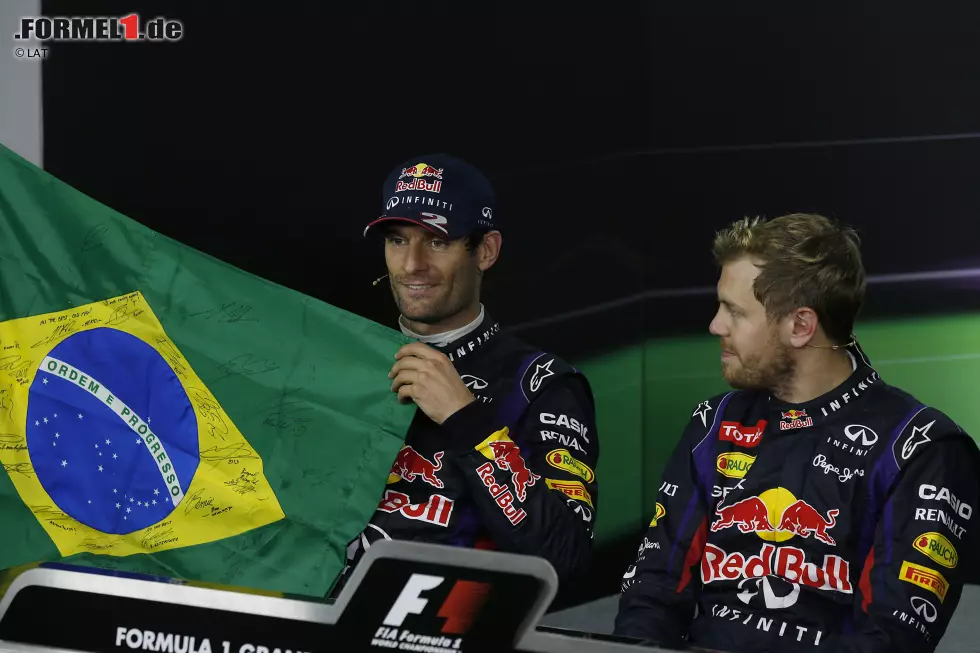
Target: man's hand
427 377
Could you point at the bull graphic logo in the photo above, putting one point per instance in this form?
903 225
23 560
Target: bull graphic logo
507 456
776 515
750 515
410 464
802 519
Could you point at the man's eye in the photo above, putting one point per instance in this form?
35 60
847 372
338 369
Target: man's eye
439 244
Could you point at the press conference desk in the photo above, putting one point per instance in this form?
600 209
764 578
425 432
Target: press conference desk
402 597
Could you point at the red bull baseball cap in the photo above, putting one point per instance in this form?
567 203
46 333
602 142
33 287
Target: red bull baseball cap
441 193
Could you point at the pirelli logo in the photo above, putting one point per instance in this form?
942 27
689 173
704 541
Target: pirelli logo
574 489
925 578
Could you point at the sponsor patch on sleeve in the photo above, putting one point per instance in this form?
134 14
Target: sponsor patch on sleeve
925 578
659 514
573 489
562 459
938 548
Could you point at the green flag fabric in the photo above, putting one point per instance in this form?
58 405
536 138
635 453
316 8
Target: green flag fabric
163 412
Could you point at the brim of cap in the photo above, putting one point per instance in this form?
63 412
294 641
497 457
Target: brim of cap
419 223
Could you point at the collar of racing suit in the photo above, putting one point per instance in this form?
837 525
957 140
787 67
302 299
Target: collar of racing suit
840 399
446 337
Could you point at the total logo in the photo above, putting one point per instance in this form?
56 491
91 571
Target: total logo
795 419
744 436
778 506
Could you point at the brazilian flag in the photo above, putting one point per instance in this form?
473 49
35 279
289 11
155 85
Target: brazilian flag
162 412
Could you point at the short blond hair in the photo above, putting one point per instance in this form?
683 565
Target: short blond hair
806 260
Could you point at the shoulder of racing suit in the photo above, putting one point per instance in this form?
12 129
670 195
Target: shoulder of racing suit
521 374
708 413
918 429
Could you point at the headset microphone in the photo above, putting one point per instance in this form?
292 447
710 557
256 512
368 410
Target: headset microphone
378 280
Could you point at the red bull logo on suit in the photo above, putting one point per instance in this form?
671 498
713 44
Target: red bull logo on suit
786 562
410 465
506 454
776 515
795 419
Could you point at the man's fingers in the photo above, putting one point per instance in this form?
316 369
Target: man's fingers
407 363
403 378
405 394
419 349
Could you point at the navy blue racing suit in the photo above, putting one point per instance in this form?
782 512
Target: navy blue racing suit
833 525
512 471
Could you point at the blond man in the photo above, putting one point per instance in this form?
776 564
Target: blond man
814 507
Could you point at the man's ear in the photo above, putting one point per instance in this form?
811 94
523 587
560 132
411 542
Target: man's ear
488 251
803 327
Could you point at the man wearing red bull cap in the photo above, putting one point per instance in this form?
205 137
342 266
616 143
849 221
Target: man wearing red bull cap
502 451
814 507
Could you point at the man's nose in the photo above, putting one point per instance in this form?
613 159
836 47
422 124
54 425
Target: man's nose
416 258
717 327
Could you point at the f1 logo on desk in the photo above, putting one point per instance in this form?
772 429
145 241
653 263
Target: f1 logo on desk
459 610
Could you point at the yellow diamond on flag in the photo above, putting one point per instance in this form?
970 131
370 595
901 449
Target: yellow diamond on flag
113 441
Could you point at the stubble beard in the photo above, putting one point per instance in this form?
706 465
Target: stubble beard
772 371
433 311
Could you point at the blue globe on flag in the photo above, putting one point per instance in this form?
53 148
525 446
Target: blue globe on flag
112 435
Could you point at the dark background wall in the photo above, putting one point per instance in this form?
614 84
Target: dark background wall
619 139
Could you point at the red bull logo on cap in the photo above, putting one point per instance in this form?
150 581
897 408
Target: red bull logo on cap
410 465
421 170
798 419
776 515
419 184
